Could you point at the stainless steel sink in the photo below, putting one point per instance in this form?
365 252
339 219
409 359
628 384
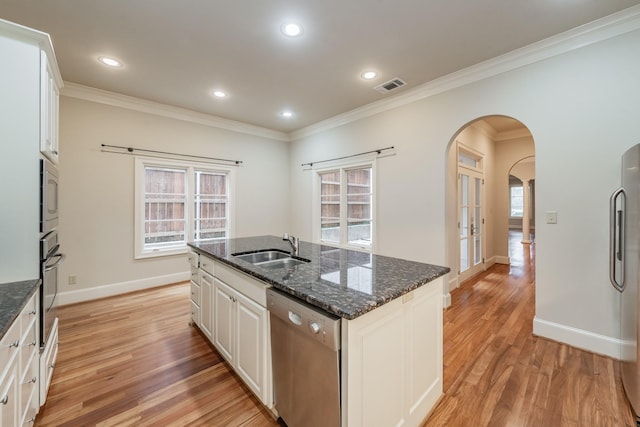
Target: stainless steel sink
264 256
282 263
271 259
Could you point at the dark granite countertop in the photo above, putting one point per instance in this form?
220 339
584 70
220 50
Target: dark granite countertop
343 282
13 298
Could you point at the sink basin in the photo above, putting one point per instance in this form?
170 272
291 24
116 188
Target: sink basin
282 263
264 256
271 259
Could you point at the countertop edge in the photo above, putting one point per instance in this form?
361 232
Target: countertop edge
14 305
323 304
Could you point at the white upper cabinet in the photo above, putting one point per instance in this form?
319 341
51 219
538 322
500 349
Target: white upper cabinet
49 106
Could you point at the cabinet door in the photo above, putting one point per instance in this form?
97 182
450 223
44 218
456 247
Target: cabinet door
251 357
49 105
224 324
206 304
9 406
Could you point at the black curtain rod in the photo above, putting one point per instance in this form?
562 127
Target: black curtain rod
378 151
132 149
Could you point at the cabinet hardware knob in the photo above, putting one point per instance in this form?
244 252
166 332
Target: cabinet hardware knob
33 312
32 380
33 343
32 420
53 365
5 400
14 344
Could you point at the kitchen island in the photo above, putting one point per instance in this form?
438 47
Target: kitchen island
391 310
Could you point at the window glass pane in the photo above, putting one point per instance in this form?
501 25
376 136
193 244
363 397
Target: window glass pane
516 197
477 251
359 199
210 205
164 205
464 190
466 159
330 206
464 255
464 222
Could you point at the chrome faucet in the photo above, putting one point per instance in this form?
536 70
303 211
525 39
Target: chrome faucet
293 241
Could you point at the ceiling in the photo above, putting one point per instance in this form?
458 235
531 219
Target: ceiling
178 52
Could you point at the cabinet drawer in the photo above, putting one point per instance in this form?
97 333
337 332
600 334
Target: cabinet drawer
9 347
195 313
193 258
207 265
195 293
29 389
246 285
28 347
194 274
28 314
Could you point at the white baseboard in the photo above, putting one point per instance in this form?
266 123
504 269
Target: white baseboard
502 259
88 294
446 300
585 340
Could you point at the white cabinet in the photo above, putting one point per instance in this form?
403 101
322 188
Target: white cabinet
241 334
224 332
393 354
233 316
206 304
23 120
196 294
48 360
19 378
49 106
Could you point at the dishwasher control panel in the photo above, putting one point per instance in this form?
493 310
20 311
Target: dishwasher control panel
305 318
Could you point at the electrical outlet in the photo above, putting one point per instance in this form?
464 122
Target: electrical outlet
73 279
552 217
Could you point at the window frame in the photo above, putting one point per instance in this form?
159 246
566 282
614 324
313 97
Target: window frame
140 163
343 167
511 187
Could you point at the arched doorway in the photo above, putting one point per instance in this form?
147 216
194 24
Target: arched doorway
480 157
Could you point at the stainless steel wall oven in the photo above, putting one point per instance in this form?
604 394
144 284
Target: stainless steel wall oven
50 255
48 196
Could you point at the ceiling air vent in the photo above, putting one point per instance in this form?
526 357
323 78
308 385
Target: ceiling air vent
390 86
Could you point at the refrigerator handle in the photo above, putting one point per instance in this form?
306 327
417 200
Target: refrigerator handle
616 242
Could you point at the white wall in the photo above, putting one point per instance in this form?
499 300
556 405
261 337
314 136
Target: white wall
581 108
97 192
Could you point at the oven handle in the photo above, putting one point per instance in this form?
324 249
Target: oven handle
58 257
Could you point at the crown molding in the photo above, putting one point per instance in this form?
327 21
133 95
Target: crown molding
605 28
74 90
32 36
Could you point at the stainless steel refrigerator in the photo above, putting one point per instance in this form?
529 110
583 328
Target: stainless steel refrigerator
624 258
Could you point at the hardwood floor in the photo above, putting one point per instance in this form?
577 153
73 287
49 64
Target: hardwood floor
134 360
496 373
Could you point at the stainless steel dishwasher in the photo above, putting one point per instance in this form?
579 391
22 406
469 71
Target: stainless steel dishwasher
305 352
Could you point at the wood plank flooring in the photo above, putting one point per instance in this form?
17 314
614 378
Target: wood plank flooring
134 360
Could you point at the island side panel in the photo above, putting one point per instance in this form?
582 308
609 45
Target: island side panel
392 360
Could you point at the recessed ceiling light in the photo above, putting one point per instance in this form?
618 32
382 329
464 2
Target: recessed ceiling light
111 62
291 29
369 75
287 114
219 93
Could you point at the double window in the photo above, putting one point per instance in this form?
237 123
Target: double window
178 202
346 206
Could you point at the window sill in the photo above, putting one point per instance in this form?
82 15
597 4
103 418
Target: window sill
161 252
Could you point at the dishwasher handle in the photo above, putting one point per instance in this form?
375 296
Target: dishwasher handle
295 318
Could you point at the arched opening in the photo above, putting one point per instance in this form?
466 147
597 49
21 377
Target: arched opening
481 156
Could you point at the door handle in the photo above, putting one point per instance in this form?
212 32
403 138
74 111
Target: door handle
616 239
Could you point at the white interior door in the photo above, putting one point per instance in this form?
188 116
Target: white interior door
470 222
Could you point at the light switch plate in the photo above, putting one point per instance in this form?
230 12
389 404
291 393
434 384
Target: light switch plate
552 217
